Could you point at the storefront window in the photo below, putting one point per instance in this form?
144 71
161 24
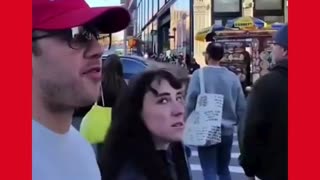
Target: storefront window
143 39
227 5
147 38
272 19
180 20
268 4
154 34
151 37
218 22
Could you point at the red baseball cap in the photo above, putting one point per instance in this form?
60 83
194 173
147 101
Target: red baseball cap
65 14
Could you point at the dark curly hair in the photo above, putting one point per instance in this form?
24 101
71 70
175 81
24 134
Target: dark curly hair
128 139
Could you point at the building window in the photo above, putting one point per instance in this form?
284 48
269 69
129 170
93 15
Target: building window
138 20
150 37
150 9
155 6
161 3
218 22
147 10
143 13
154 34
268 4
140 17
143 39
272 19
222 21
226 6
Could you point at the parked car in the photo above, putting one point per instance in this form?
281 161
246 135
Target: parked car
133 65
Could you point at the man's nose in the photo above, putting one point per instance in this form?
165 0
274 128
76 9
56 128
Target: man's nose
94 50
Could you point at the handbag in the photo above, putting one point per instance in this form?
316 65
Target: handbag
203 126
95 124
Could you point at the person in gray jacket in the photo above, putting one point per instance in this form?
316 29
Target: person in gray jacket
215 159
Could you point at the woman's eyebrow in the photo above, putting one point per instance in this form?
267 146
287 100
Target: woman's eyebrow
156 93
163 94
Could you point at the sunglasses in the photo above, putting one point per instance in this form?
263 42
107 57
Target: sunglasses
77 38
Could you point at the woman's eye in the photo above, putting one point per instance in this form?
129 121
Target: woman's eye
163 101
180 99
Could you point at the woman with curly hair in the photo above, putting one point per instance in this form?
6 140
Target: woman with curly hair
144 140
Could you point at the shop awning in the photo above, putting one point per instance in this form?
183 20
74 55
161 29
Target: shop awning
246 23
206 33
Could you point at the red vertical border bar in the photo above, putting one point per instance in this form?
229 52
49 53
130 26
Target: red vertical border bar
15 88
304 91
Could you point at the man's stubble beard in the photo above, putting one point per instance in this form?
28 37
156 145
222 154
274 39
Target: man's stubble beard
59 97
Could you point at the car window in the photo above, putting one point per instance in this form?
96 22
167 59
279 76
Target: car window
132 67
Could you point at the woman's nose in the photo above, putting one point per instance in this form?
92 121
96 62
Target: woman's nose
178 109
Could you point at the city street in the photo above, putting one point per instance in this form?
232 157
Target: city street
236 171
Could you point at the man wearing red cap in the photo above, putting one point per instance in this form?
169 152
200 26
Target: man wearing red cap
66 74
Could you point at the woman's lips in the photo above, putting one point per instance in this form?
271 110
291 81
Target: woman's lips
178 125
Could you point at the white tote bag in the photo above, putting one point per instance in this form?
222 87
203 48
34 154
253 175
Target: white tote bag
203 126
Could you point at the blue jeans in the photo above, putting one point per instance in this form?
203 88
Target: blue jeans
215 160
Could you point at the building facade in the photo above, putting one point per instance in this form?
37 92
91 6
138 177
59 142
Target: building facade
172 24
162 25
209 12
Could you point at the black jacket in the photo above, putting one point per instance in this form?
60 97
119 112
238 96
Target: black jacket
263 135
176 165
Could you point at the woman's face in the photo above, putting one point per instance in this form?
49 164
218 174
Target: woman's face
163 112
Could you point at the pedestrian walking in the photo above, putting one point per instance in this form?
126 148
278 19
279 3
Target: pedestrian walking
263 136
66 73
215 159
192 64
144 140
113 82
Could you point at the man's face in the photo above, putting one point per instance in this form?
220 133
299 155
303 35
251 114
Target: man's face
66 77
278 53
